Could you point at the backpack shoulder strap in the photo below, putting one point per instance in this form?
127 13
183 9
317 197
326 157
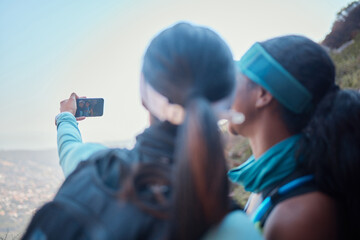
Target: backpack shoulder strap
295 187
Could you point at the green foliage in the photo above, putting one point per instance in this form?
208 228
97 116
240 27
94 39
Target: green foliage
347 64
240 195
237 151
237 154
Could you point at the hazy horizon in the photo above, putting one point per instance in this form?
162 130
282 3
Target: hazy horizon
95 48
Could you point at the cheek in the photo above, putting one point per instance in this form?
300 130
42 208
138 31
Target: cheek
243 103
238 106
241 100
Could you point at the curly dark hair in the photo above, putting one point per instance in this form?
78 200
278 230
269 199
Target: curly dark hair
330 150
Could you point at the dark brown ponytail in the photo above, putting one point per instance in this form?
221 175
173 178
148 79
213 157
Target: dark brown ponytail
192 66
201 185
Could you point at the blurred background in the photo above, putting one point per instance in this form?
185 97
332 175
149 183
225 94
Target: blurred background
49 49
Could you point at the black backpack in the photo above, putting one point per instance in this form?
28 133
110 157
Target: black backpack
110 196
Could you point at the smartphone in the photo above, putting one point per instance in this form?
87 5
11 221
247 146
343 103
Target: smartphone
89 107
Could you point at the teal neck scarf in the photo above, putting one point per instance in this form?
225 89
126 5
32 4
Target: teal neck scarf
273 166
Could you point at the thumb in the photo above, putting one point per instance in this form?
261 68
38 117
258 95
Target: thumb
73 96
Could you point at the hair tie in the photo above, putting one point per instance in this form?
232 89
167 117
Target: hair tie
160 106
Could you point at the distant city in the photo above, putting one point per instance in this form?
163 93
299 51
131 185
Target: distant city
27 180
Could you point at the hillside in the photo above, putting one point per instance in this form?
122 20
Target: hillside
345 27
347 64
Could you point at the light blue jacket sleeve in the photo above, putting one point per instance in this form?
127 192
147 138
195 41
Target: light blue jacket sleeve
235 226
71 149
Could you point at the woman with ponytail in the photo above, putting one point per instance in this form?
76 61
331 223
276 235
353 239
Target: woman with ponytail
173 183
281 82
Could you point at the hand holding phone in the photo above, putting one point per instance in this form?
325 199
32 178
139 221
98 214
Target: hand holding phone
69 105
89 107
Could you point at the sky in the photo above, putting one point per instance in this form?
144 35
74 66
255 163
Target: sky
49 49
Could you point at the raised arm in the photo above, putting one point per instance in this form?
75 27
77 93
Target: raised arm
71 149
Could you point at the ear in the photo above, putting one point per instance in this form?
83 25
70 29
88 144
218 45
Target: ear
264 98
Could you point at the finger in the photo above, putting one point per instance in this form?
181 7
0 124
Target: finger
73 96
80 118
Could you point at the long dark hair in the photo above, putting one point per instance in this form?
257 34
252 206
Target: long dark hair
331 151
309 63
192 66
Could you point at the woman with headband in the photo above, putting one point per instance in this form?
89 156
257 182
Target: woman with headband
173 184
280 83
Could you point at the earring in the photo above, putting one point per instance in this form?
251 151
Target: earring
236 117
232 116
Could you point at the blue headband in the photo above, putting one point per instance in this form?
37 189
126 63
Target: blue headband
263 69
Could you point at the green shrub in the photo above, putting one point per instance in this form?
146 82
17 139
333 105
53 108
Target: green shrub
347 65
